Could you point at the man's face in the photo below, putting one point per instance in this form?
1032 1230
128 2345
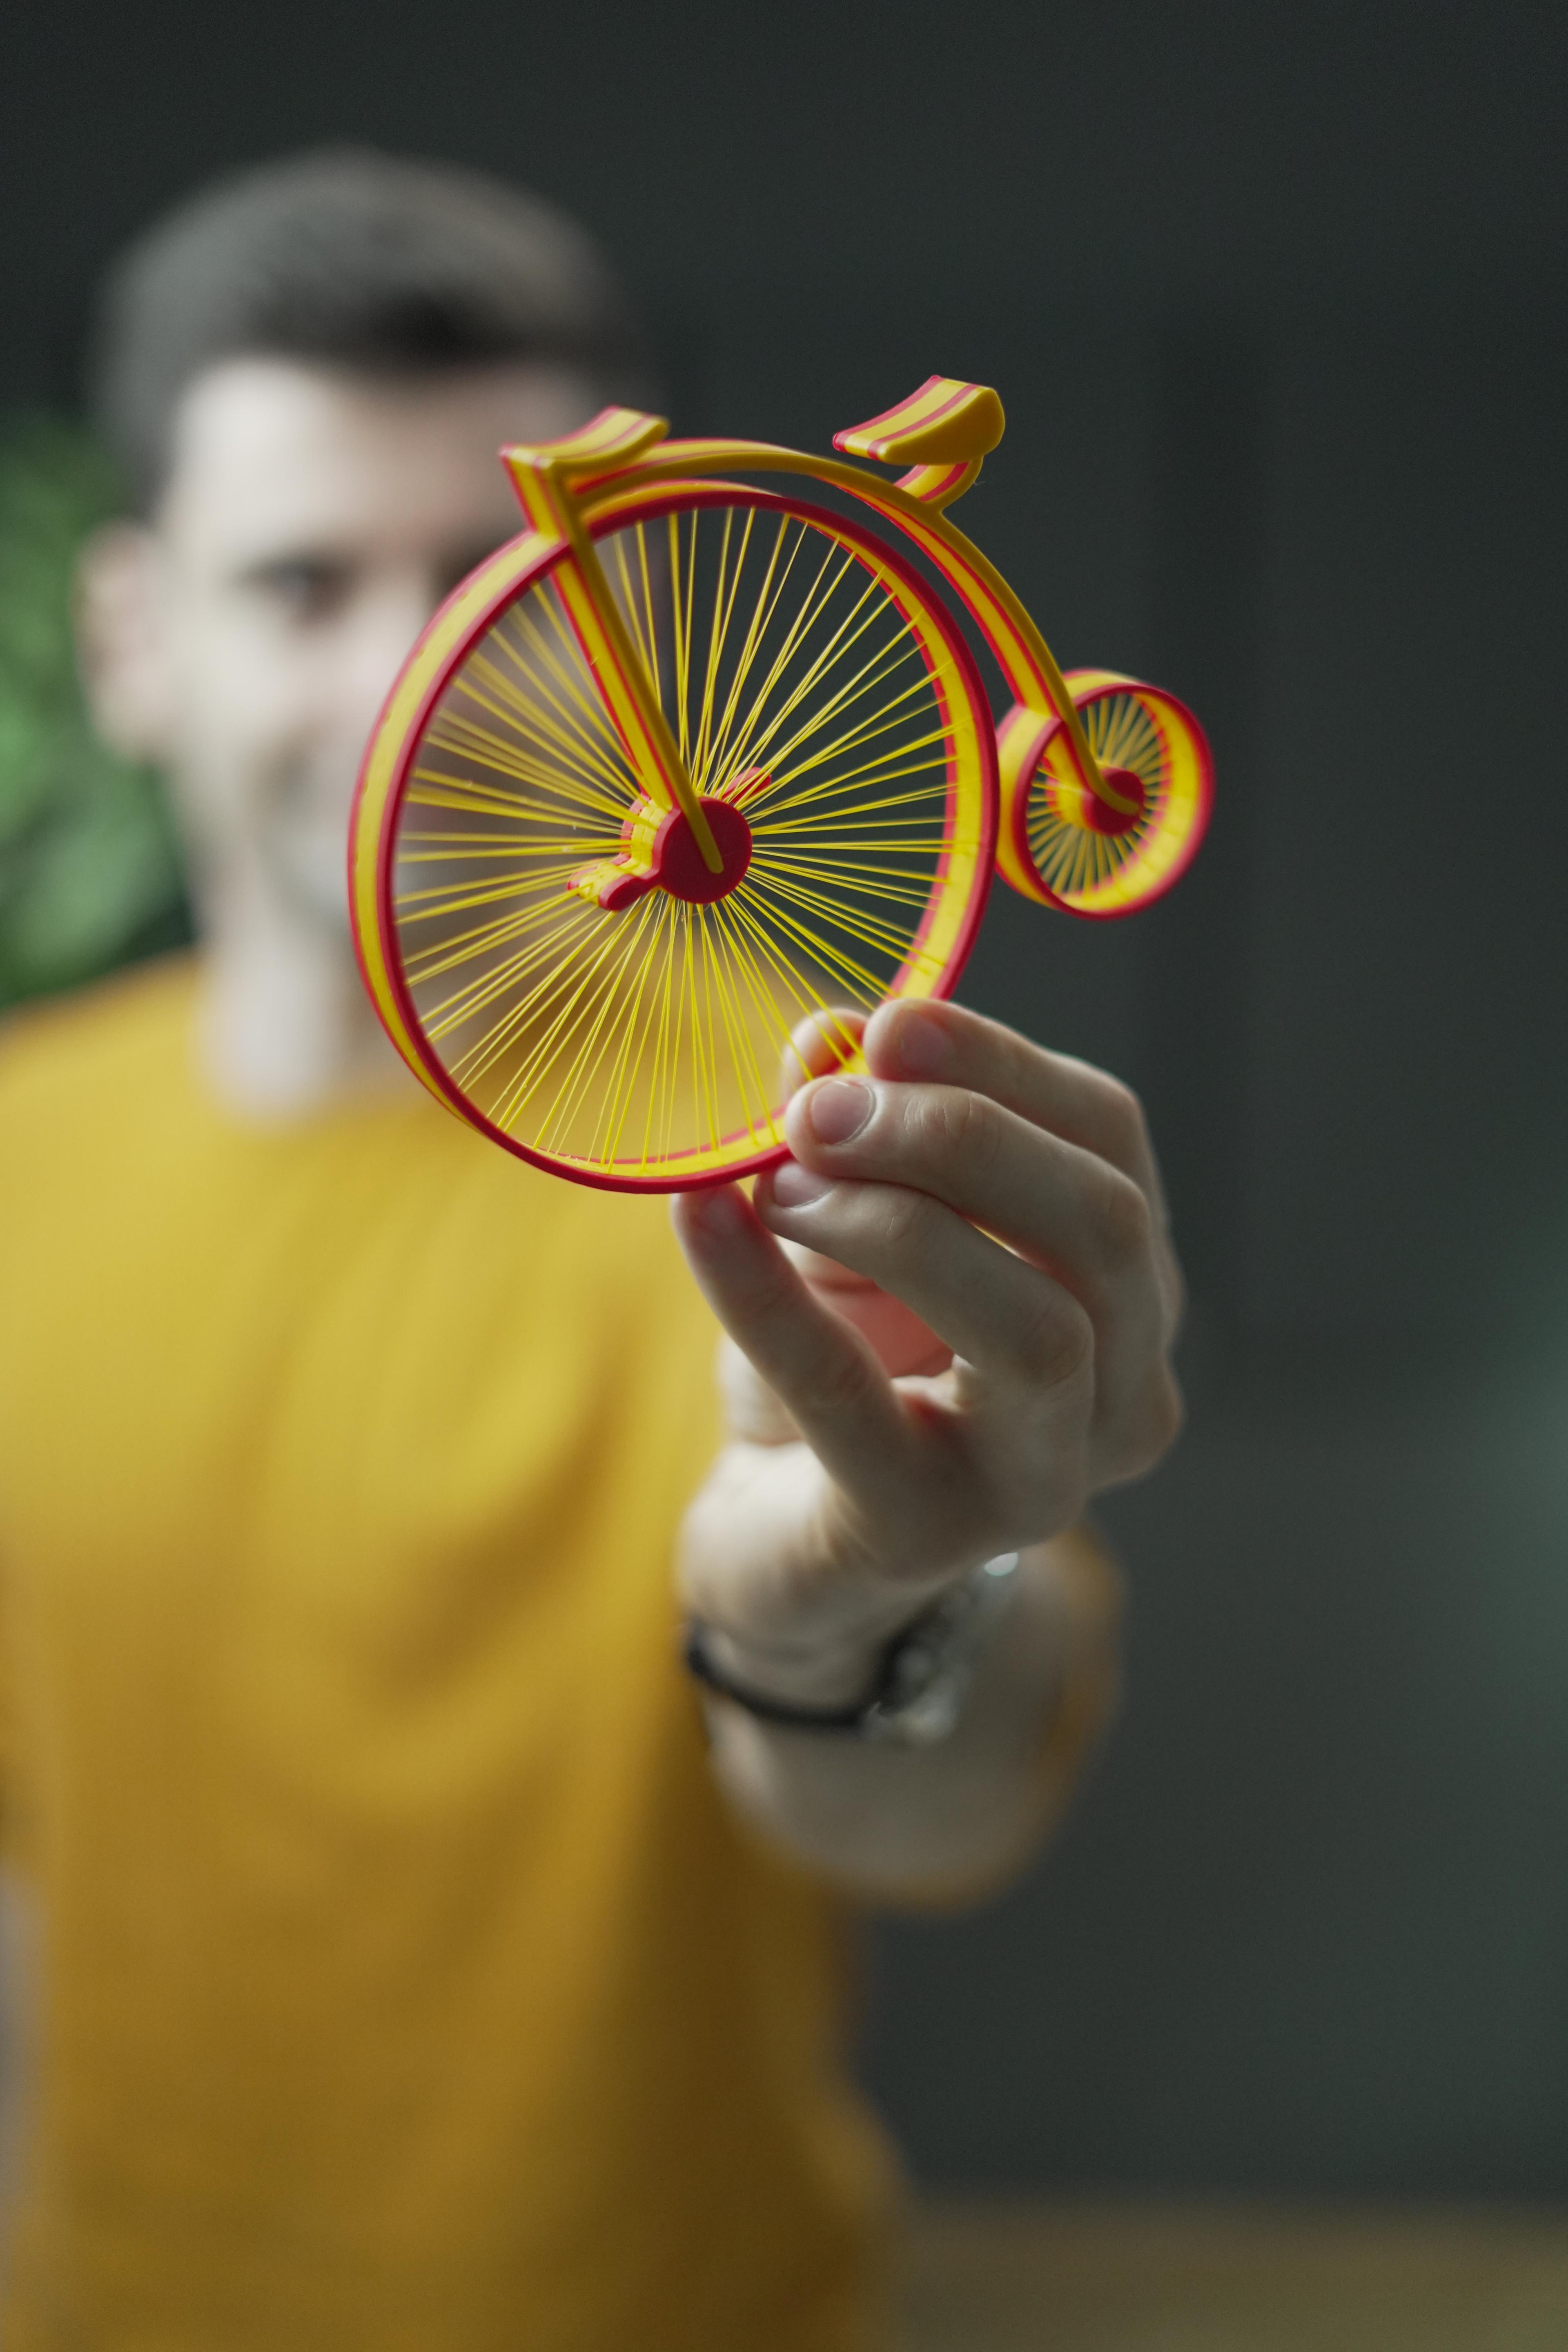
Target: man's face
311 524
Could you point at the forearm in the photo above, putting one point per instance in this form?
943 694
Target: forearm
972 1339
947 1822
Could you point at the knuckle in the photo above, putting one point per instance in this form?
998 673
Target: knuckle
1123 1227
754 1411
1054 1496
1124 1130
1066 1498
896 1220
1174 1285
1054 1345
948 1125
1152 1428
1166 1413
839 1380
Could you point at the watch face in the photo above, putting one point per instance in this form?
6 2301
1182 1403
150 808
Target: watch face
928 1671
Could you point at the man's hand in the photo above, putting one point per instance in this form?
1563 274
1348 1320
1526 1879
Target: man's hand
969 1339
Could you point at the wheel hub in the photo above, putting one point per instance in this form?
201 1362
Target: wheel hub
659 851
1075 804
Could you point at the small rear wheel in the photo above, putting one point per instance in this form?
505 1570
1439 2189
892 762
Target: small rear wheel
1063 845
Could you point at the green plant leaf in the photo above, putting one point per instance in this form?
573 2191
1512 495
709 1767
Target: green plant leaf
89 867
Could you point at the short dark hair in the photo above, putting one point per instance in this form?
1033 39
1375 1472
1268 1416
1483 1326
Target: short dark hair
352 259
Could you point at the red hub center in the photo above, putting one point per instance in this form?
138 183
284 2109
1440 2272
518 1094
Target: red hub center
658 850
1104 816
678 863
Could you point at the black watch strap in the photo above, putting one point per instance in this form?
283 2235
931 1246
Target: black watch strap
922 1675
700 1665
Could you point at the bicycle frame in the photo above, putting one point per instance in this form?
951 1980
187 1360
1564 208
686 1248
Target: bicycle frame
948 427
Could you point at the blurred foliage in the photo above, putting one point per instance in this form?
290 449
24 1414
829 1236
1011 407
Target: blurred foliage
90 869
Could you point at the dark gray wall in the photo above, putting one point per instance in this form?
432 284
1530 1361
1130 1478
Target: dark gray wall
1276 300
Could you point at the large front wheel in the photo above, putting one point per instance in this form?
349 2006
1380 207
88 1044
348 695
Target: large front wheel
541 944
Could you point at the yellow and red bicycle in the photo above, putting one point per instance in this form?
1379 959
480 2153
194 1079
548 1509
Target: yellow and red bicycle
696 760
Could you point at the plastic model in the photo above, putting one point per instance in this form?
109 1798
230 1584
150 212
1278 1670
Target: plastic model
702 761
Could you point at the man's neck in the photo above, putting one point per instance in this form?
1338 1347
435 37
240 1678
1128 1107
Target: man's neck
287 1028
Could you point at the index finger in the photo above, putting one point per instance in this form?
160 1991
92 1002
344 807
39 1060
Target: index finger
826 1375
946 1044
825 1041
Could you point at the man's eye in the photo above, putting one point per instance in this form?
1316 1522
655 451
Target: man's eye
305 588
457 568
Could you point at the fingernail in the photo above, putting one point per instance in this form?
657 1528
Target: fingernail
721 1211
925 1049
838 1108
796 1186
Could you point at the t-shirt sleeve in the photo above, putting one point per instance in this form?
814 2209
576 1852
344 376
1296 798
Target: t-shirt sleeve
1091 1594
1094 1600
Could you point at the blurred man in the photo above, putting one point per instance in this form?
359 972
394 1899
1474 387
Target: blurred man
411 1968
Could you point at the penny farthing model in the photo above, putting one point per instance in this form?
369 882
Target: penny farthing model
699 764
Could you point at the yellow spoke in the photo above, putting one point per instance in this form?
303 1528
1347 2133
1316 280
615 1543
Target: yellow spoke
537 720
829 854
480 846
859 802
880 721
898 723
864 986
746 752
634 618
757 744
553 707
684 599
565 985
430 906
753 742
484 939
764 605
540 963
764 1119
543 687
872 881
450 1012
578 1075
769 598
718 625
834 958
761 952
540 766
858 922
888 767
650 623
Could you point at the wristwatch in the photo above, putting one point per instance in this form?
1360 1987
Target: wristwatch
921 1678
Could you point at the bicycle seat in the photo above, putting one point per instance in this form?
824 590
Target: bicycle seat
944 422
610 438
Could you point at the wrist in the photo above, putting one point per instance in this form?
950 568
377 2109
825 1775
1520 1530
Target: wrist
910 1690
821 1668
828 1652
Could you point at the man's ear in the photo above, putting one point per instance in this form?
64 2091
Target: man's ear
120 650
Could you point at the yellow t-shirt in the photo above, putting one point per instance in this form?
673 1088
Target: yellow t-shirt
405 1981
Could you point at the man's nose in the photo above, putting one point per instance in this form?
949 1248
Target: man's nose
388 619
